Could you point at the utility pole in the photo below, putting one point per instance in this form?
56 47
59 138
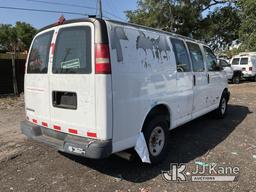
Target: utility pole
100 8
14 79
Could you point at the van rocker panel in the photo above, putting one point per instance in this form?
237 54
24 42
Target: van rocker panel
81 146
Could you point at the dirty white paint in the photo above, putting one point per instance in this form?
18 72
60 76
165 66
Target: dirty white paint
144 75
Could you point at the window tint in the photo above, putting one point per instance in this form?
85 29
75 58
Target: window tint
39 54
244 61
211 60
73 51
235 61
196 57
181 55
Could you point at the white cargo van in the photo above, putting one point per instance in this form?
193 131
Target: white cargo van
246 62
92 86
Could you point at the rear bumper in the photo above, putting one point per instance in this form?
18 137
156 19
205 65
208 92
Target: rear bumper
85 147
247 75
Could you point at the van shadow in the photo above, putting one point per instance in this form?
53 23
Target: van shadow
186 143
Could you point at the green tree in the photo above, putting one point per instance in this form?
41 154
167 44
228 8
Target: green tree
222 27
25 34
178 16
8 38
16 38
13 39
248 28
188 17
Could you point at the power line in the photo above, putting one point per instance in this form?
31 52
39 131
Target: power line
78 6
43 10
63 4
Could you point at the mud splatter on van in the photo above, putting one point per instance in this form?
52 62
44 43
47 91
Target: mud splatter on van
145 43
117 34
156 46
161 45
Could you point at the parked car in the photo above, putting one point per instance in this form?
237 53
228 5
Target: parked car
232 75
93 86
245 62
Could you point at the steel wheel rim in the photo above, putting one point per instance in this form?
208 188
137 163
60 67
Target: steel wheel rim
223 106
156 141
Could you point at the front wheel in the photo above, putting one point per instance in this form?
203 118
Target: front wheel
156 135
221 111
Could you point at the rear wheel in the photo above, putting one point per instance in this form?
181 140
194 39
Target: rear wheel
156 135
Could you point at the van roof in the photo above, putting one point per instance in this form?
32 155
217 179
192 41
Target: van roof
93 20
67 22
246 54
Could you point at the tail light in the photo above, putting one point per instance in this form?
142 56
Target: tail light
250 68
243 69
102 59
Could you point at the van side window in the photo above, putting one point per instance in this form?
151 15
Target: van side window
244 61
39 54
211 60
73 51
196 57
235 61
181 55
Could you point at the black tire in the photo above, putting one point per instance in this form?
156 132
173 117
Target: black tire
153 125
236 79
221 111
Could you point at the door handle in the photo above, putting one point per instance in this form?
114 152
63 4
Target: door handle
194 80
208 78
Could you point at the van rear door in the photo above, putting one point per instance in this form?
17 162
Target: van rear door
72 83
37 81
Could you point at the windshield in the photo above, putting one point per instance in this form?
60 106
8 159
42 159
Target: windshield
39 54
224 63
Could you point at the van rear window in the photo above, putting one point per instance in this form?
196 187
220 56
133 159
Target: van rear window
73 51
39 54
244 61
